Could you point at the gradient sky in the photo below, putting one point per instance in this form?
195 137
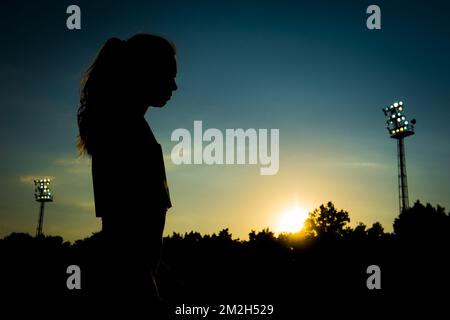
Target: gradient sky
309 68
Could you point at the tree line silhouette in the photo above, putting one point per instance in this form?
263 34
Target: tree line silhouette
323 264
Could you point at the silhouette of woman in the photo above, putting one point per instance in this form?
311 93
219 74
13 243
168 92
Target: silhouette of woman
129 181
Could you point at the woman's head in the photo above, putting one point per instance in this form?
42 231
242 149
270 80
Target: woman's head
126 78
153 68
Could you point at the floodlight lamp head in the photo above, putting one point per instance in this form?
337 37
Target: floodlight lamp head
397 124
42 192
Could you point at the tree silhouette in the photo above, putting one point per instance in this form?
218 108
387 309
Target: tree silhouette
216 268
192 237
327 221
225 235
376 231
263 236
359 232
423 222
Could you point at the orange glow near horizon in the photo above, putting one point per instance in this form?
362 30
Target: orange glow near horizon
292 219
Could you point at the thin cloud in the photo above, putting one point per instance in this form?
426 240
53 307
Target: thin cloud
30 179
363 164
78 165
357 164
86 205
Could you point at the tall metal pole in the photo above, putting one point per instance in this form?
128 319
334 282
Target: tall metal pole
402 179
399 128
41 220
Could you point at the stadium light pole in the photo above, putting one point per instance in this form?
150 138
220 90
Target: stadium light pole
42 194
399 128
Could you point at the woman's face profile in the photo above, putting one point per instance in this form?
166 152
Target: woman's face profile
159 87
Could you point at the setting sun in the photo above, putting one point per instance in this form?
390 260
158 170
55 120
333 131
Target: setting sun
292 220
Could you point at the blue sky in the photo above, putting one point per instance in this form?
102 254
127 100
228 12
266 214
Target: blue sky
309 68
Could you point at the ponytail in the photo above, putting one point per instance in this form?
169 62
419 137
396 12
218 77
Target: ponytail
104 74
108 84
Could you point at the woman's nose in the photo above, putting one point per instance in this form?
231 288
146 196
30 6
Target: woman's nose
174 87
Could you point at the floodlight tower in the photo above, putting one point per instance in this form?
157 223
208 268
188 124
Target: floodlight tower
399 128
42 194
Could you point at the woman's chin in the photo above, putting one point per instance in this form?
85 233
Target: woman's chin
160 103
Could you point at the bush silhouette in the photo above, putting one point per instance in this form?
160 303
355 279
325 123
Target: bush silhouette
423 222
283 270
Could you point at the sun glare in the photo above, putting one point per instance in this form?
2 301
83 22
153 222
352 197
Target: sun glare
292 220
